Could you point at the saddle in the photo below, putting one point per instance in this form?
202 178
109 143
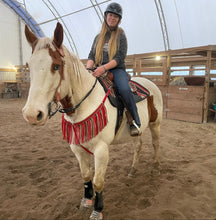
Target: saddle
139 92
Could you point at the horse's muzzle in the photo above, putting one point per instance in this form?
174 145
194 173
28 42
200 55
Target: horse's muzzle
33 116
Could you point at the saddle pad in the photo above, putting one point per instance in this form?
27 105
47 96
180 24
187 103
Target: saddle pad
139 92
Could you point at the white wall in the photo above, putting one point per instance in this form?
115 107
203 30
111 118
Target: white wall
9 39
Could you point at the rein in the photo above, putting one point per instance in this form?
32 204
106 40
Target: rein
66 110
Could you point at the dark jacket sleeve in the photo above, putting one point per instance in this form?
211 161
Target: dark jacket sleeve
91 55
122 50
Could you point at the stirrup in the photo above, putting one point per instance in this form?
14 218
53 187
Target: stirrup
85 204
96 215
134 129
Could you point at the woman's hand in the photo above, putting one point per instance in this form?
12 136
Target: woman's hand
99 71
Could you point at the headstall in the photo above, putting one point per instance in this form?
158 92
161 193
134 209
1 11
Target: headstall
53 106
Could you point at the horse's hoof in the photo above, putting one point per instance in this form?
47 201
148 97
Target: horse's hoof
132 172
96 215
85 204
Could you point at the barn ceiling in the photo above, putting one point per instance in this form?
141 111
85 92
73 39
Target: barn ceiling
150 25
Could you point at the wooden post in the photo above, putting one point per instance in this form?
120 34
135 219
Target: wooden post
168 70
139 67
190 70
134 66
167 80
165 69
206 88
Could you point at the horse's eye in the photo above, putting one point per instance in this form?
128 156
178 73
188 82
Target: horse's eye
56 67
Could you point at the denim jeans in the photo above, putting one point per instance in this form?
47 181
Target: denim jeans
120 80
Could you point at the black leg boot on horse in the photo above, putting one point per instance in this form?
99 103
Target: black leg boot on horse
86 202
98 207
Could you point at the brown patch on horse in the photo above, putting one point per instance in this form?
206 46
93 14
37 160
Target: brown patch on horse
58 54
153 113
57 60
57 64
66 103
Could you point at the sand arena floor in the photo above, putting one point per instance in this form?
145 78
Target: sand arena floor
40 177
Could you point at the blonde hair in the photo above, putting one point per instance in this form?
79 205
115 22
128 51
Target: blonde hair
112 46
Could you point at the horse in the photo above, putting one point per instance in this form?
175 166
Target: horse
89 119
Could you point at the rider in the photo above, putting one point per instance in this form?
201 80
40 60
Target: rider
108 52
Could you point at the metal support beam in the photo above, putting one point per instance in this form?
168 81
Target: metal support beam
74 12
57 16
163 24
20 42
98 10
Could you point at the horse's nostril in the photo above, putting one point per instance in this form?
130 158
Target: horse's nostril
39 116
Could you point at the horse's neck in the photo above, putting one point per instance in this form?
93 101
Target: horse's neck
79 83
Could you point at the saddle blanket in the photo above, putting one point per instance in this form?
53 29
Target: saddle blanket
139 92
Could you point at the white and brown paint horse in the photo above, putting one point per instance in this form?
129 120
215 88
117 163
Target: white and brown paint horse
57 74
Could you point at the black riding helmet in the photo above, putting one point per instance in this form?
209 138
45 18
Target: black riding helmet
114 8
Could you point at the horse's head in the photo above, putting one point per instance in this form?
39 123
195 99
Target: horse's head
46 67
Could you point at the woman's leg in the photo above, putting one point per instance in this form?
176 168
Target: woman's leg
120 79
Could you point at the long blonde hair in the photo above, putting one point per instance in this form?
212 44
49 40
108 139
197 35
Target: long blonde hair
112 46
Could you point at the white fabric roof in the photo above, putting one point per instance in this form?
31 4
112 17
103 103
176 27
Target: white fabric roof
189 23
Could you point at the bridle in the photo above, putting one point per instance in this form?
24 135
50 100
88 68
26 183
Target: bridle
67 110
55 102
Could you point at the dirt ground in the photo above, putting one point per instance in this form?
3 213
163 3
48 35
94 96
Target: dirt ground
40 177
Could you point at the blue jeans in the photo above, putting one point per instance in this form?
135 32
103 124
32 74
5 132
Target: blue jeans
120 80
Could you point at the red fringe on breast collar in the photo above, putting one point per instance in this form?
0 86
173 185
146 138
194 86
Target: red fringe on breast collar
87 129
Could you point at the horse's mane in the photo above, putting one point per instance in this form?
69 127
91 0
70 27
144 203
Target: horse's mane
77 65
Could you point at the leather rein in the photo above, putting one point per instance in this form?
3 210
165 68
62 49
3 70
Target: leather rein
54 103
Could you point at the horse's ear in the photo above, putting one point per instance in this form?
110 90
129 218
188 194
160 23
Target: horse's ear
31 38
58 35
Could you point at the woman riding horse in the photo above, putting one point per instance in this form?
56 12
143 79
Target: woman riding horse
108 52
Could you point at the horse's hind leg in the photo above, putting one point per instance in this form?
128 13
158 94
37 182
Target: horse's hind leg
155 132
135 158
84 160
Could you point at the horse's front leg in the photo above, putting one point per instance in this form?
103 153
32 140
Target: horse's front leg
84 159
101 156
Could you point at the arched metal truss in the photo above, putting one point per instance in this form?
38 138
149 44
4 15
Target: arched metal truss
98 10
57 17
21 12
35 27
66 31
163 24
